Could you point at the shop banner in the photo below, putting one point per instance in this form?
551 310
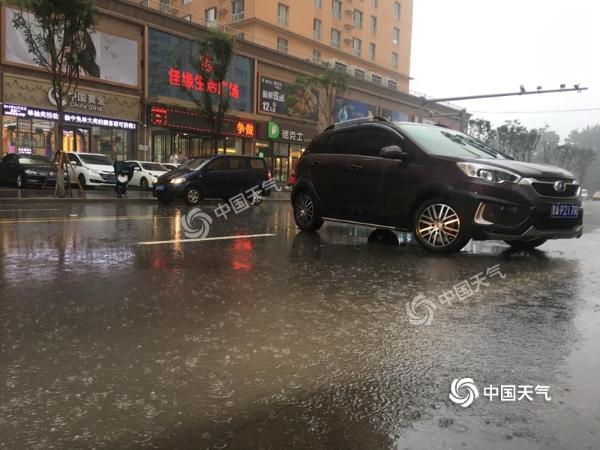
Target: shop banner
83 119
191 121
113 58
346 109
173 72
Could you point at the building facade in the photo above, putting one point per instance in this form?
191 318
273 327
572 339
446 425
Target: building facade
371 39
136 101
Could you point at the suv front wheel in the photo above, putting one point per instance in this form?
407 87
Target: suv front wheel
306 213
438 227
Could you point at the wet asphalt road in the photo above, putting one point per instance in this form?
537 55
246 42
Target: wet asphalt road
285 341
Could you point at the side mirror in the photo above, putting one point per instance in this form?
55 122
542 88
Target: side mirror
137 168
393 152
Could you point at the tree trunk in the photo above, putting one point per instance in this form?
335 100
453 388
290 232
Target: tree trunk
60 177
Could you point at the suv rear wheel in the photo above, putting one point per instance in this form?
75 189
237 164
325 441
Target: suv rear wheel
306 212
438 226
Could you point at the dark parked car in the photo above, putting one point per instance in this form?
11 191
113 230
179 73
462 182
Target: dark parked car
22 170
444 186
217 176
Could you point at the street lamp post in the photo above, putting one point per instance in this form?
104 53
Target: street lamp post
425 101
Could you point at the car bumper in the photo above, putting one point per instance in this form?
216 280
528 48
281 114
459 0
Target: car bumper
168 190
517 212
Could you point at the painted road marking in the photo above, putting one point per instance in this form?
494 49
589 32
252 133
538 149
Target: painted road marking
81 219
218 238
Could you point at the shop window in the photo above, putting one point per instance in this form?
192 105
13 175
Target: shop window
27 136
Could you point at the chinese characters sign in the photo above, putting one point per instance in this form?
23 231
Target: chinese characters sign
272 96
194 82
274 131
190 121
82 100
172 73
36 113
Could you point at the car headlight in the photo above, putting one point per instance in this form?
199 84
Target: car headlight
95 171
488 173
178 180
31 172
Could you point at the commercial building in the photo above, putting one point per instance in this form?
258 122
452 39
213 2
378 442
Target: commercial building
134 102
369 38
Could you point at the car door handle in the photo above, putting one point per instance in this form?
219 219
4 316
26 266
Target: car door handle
317 162
356 167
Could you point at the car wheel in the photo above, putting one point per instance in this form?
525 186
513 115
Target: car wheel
144 184
526 245
20 181
255 200
438 226
82 182
306 212
192 196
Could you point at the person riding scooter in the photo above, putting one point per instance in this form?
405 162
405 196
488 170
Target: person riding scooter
124 174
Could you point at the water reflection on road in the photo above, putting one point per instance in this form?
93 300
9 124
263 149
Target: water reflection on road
298 340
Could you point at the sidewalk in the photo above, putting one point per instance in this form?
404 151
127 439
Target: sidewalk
98 195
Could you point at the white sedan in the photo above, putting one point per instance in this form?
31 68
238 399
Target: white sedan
145 173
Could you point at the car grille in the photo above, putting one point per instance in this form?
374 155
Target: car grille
547 190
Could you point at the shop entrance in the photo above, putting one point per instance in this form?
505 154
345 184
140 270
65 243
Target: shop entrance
76 139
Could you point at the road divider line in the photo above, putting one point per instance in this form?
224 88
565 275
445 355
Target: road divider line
216 238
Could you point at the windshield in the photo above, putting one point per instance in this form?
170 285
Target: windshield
96 159
154 166
193 164
446 142
33 159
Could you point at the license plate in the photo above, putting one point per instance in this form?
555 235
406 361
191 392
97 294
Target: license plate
160 187
564 210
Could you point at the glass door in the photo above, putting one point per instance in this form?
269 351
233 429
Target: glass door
76 139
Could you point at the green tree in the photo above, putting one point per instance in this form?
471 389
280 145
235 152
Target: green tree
547 146
57 33
481 129
213 60
516 140
316 95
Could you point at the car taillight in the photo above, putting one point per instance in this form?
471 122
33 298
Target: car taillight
292 177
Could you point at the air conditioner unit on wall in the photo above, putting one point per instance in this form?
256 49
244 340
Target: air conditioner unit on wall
336 64
374 77
390 83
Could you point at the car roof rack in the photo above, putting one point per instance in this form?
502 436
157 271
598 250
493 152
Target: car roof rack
357 121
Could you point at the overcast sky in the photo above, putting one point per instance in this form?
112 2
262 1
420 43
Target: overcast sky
466 47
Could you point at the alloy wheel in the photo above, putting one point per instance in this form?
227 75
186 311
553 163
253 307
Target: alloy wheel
305 209
438 225
193 196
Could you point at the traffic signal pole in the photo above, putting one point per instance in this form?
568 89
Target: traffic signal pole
427 101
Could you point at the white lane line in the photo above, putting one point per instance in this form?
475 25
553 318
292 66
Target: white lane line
29 209
218 238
